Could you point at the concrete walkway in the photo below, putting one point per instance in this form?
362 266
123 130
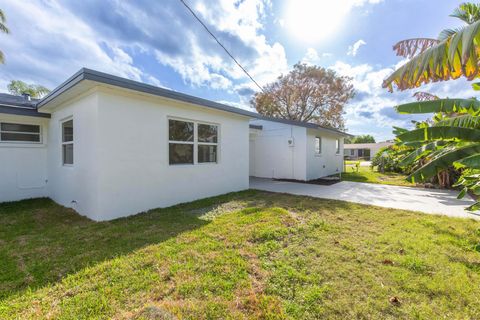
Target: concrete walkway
430 201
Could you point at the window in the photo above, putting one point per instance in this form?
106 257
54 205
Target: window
191 142
180 136
67 142
337 146
15 132
207 143
352 152
318 145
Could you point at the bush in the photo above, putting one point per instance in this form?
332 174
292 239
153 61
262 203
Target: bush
387 160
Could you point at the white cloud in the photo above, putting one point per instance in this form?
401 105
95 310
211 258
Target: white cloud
44 53
353 49
110 35
312 56
371 111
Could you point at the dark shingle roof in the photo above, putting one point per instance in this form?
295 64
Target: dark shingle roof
18 105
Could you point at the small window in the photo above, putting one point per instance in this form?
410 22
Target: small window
318 145
67 142
192 142
337 146
352 152
15 132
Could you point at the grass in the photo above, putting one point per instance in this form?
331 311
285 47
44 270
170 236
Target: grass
366 174
248 255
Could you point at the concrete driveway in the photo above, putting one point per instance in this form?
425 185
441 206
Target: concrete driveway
429 201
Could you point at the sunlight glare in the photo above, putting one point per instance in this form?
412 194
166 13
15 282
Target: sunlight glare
312 21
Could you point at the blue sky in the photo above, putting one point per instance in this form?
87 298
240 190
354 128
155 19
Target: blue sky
160 43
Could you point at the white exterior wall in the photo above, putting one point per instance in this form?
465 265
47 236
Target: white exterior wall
272 157
75 186
134 173
328 162
121 162
23 166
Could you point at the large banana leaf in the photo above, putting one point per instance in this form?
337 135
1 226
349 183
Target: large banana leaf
441 105
411 47
464 121
452 58
472 162
441 133
443 161
420 152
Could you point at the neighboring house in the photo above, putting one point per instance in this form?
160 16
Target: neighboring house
286 149
364 151
109 147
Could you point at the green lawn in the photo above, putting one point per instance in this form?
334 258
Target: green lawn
248 255
366 174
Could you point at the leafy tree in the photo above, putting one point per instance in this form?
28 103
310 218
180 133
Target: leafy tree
4 29
307 93
452 138
365 138
18 88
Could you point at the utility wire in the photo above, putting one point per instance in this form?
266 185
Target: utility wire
221 45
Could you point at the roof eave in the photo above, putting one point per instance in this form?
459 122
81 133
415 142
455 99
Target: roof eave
23 112
104 78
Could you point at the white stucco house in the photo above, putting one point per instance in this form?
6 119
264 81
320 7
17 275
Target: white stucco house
286 149
109 147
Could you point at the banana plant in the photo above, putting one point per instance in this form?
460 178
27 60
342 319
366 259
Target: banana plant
453 54
452 140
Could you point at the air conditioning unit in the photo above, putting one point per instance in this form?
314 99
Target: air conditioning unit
291 142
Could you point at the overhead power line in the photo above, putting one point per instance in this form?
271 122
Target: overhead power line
221 45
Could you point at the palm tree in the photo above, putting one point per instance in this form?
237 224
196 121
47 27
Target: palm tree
453 54
4 29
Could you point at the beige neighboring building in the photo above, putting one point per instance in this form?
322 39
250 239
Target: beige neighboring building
363 151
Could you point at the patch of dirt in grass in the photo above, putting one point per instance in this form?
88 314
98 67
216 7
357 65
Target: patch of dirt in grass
211 212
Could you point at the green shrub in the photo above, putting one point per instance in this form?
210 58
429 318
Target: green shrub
387 160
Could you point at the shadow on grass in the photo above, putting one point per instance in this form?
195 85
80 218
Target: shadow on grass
42 242
354 176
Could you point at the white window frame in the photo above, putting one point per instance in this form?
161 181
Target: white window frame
195 142
319 153
337 151
39 133
67 142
